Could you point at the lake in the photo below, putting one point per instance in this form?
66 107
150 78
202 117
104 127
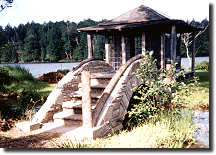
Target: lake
185 61
38 69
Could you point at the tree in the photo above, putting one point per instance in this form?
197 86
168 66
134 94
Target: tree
5 4
187 39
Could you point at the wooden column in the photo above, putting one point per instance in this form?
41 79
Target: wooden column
163 50
143 43
86 100
89 46
123 46
193 52
173 44
107 49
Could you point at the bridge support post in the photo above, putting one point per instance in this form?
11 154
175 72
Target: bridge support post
86 100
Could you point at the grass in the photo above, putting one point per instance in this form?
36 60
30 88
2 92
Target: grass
22 92
169 132
199 98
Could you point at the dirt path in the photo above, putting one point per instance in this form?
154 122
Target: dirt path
14 138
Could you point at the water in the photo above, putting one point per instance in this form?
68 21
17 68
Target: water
201 119
38 69
185 61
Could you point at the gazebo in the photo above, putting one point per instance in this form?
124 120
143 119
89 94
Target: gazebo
139 30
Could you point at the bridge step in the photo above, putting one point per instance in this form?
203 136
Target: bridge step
78 94
72 110
72 105
67 119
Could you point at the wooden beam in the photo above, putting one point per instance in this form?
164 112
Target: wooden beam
173 44
89 46
163 50
193 52
123 49
107 49
143 43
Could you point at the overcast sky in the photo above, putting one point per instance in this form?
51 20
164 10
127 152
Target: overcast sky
41 11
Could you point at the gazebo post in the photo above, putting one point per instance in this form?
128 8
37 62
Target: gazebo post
193 52
143 43
173 44
123 49
89 46
162 50
107 49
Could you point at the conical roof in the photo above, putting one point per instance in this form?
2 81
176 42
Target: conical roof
140 17
139 14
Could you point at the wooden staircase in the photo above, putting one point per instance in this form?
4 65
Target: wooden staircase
72 110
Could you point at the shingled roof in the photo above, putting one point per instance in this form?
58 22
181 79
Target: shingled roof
139 17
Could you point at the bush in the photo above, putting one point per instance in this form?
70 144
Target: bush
4 79
20 91
204 65
155 93
64 71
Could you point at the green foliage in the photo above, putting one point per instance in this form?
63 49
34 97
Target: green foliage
156 91
64 71
47 42
202 41
172 130
21 89
70 144
204 65
5 79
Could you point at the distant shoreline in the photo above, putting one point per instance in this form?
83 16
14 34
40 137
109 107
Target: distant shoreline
37 62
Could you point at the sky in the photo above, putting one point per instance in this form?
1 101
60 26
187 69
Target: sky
40 11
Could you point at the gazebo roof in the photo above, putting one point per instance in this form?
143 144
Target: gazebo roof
140 17
137 15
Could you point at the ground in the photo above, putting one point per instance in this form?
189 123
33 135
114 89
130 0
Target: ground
14 138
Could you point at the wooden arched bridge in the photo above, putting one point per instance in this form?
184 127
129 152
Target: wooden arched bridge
110 95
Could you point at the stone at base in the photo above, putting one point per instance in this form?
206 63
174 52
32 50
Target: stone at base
28 126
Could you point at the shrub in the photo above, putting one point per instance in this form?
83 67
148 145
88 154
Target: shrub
21 91
4 79
155 92
64 71
204 65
